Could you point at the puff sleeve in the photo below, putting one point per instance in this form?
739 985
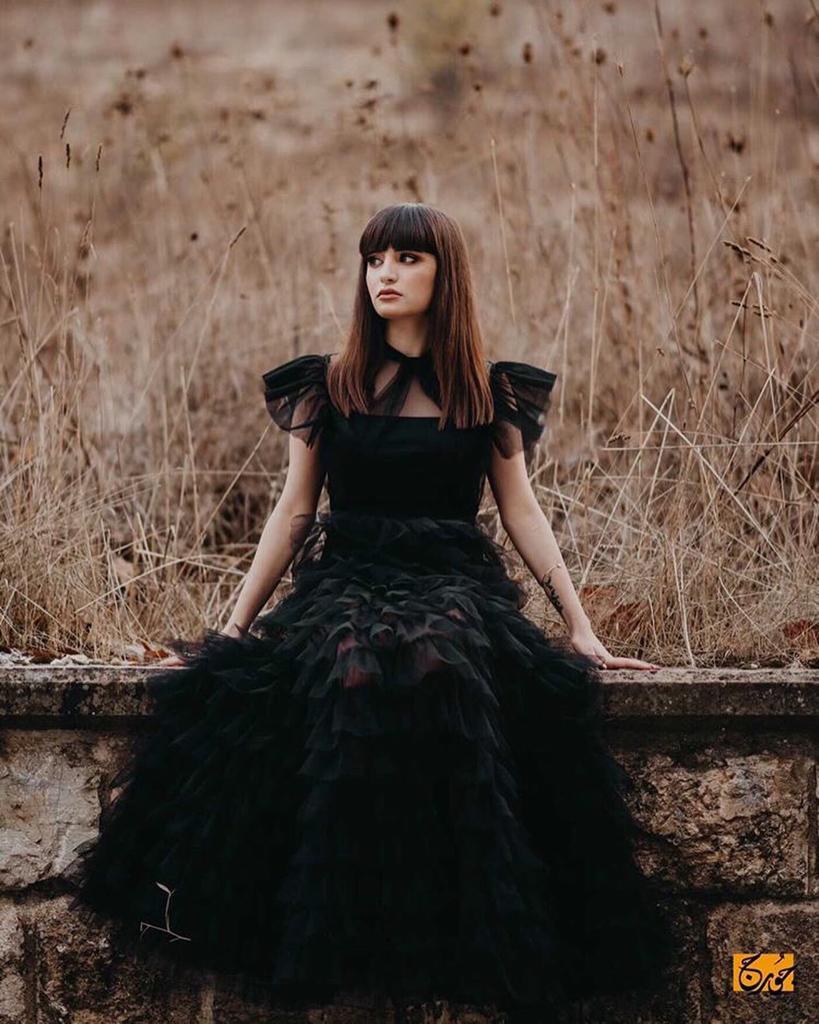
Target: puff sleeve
521 394
296 395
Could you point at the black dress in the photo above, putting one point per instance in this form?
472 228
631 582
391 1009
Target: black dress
395 782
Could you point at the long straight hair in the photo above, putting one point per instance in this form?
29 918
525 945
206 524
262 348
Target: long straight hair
453 332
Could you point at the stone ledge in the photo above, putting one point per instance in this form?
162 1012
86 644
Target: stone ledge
75 693
725 793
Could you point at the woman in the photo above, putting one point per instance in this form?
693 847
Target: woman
395 782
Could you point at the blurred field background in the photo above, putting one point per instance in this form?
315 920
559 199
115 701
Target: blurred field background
183 187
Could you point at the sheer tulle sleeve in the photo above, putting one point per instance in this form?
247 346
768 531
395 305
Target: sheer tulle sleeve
296 395
522 395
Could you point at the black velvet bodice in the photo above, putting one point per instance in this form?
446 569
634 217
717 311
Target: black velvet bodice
404 465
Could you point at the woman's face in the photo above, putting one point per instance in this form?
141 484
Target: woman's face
406 271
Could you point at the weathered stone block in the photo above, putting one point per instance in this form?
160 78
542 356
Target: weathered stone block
12 953
49 800
765 927
83 978
726 822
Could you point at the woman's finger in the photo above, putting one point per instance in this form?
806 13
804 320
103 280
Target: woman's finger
631 663
172 661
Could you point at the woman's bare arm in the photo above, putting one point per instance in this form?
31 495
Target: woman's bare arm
283 533
282 536
530 532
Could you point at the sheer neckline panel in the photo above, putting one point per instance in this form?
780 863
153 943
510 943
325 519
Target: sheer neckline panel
412 379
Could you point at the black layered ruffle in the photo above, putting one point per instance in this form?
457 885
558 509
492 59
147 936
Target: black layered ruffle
395 783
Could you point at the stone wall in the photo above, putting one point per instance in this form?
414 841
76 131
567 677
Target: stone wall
725 766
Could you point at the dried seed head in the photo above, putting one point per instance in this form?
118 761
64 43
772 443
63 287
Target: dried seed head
124 104
686 66
736 142
745 254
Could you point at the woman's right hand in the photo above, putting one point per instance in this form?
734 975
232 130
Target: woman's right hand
174 661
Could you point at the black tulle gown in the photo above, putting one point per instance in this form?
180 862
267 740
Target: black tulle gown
395 783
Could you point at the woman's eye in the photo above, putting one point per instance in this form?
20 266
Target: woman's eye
403 254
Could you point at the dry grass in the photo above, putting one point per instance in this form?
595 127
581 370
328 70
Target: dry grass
182 194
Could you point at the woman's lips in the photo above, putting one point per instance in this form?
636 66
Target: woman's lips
389 295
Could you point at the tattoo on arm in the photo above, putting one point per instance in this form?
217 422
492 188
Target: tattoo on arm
551 593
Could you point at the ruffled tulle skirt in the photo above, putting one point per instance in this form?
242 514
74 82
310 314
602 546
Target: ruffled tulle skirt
396 783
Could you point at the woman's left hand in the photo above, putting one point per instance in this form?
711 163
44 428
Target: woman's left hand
586 642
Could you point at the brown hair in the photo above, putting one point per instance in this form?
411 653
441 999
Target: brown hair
455 342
